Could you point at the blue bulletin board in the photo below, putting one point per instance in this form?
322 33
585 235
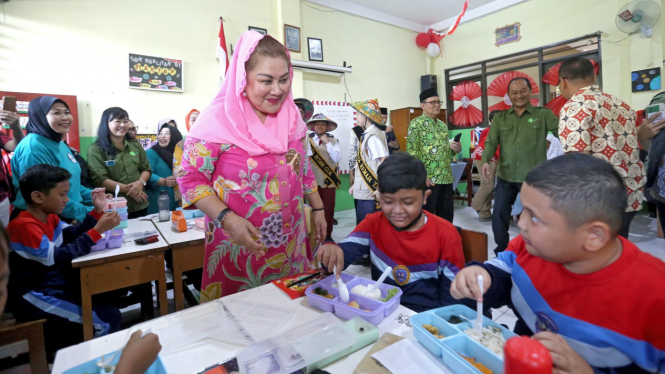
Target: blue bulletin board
507 34
646 80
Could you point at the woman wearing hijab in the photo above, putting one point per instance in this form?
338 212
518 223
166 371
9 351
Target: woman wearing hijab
116 161
49 119
161 161
245 166
190 119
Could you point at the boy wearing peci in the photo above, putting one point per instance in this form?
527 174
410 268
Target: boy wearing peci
425 251
590 296
42 282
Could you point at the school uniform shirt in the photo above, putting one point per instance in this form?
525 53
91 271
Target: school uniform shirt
372 149
333 149
613 317
36 149
478 152
424 261
604 125
130 162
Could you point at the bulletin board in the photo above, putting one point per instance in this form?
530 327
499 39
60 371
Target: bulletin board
345 117
155 73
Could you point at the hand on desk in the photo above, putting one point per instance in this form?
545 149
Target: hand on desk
139 354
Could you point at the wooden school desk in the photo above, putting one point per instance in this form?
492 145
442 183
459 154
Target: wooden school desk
127 266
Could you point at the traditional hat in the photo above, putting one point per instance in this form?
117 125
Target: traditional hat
307 106
321 117
370 109
430 92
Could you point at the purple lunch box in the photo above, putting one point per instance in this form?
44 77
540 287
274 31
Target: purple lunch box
378 310
112 239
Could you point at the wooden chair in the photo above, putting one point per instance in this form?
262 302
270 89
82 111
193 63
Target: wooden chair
469 182
474 245
12 332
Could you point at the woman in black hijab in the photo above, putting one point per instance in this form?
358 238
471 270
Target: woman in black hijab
160 157
49 120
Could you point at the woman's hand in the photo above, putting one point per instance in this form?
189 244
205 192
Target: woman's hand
320 224
243 233
135 189
171 181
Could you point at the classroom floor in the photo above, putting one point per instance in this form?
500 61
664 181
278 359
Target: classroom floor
642 233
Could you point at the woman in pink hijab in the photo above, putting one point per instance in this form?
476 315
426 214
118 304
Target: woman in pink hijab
245 166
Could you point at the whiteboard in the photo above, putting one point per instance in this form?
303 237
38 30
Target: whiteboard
345 117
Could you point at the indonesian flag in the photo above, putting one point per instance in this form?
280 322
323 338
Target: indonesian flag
221 54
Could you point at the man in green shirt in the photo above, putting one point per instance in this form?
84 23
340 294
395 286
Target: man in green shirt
427 140
521 131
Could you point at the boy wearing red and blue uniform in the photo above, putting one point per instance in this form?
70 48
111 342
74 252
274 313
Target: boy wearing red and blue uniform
42 284
592 298
425 251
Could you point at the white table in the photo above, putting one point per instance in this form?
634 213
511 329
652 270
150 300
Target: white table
188 252
127 266
203 354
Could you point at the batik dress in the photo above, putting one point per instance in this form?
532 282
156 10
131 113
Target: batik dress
267 190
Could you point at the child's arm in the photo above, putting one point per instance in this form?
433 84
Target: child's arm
348 251
564 358
139 354
497 284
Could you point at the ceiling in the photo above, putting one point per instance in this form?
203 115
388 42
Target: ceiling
417 15
424 12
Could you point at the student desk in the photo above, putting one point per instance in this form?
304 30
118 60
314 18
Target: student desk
199 355
127 266
188 251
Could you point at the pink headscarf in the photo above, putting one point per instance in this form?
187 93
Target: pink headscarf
230 118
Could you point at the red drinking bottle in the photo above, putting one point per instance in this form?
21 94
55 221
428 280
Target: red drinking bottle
523 355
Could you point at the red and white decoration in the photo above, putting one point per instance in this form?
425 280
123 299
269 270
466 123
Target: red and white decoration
552 78
499 88
430 40
466 115
221 54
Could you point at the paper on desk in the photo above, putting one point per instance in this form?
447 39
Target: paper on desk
404 357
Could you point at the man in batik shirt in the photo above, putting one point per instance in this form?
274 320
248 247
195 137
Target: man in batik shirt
427 140
603 126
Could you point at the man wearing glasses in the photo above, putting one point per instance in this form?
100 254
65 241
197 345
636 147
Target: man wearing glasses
521 131
427 140
131 131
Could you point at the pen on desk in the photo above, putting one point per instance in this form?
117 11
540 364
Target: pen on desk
304 279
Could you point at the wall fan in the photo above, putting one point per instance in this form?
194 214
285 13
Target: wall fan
638 16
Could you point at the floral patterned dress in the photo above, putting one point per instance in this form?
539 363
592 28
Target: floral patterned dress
268 191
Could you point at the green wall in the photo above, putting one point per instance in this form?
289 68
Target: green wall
86 141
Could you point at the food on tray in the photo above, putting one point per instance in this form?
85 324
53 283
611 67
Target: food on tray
434 331
354 304
321 292
391 292
454 320
483 369
365 291
490 339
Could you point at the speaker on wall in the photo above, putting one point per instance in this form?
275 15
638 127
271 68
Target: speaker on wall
427 81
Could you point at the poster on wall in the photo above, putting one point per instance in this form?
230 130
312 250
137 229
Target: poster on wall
507 34
155 73
345 117
146 140
646 80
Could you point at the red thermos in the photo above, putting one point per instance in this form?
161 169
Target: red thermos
523 355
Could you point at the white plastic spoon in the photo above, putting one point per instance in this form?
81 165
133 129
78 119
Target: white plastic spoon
478 323
343 291
383 276
115 201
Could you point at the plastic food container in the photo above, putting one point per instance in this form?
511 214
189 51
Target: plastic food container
122 225
297 348
455 341
122 203
200 223
371 310
120 211
110 240
124 217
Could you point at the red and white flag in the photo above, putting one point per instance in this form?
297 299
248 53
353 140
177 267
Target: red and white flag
221 54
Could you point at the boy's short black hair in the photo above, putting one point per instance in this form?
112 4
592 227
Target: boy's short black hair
401 171
582 188
42 178
493 114
577 68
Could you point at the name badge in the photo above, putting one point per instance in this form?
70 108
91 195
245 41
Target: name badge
71 158
110 163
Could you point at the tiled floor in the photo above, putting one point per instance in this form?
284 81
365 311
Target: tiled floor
642 233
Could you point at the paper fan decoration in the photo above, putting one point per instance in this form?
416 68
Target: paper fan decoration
552 75
466 115
499 88
556 104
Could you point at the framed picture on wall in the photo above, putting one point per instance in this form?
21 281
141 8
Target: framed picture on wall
259 30
315 49
292 38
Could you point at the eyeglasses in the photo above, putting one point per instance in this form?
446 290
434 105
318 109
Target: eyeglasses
433 102
131 129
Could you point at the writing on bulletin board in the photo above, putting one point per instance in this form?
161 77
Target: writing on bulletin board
507 34
155 73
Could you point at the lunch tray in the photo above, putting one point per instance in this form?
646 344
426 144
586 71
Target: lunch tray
455 341
111 239
378 309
